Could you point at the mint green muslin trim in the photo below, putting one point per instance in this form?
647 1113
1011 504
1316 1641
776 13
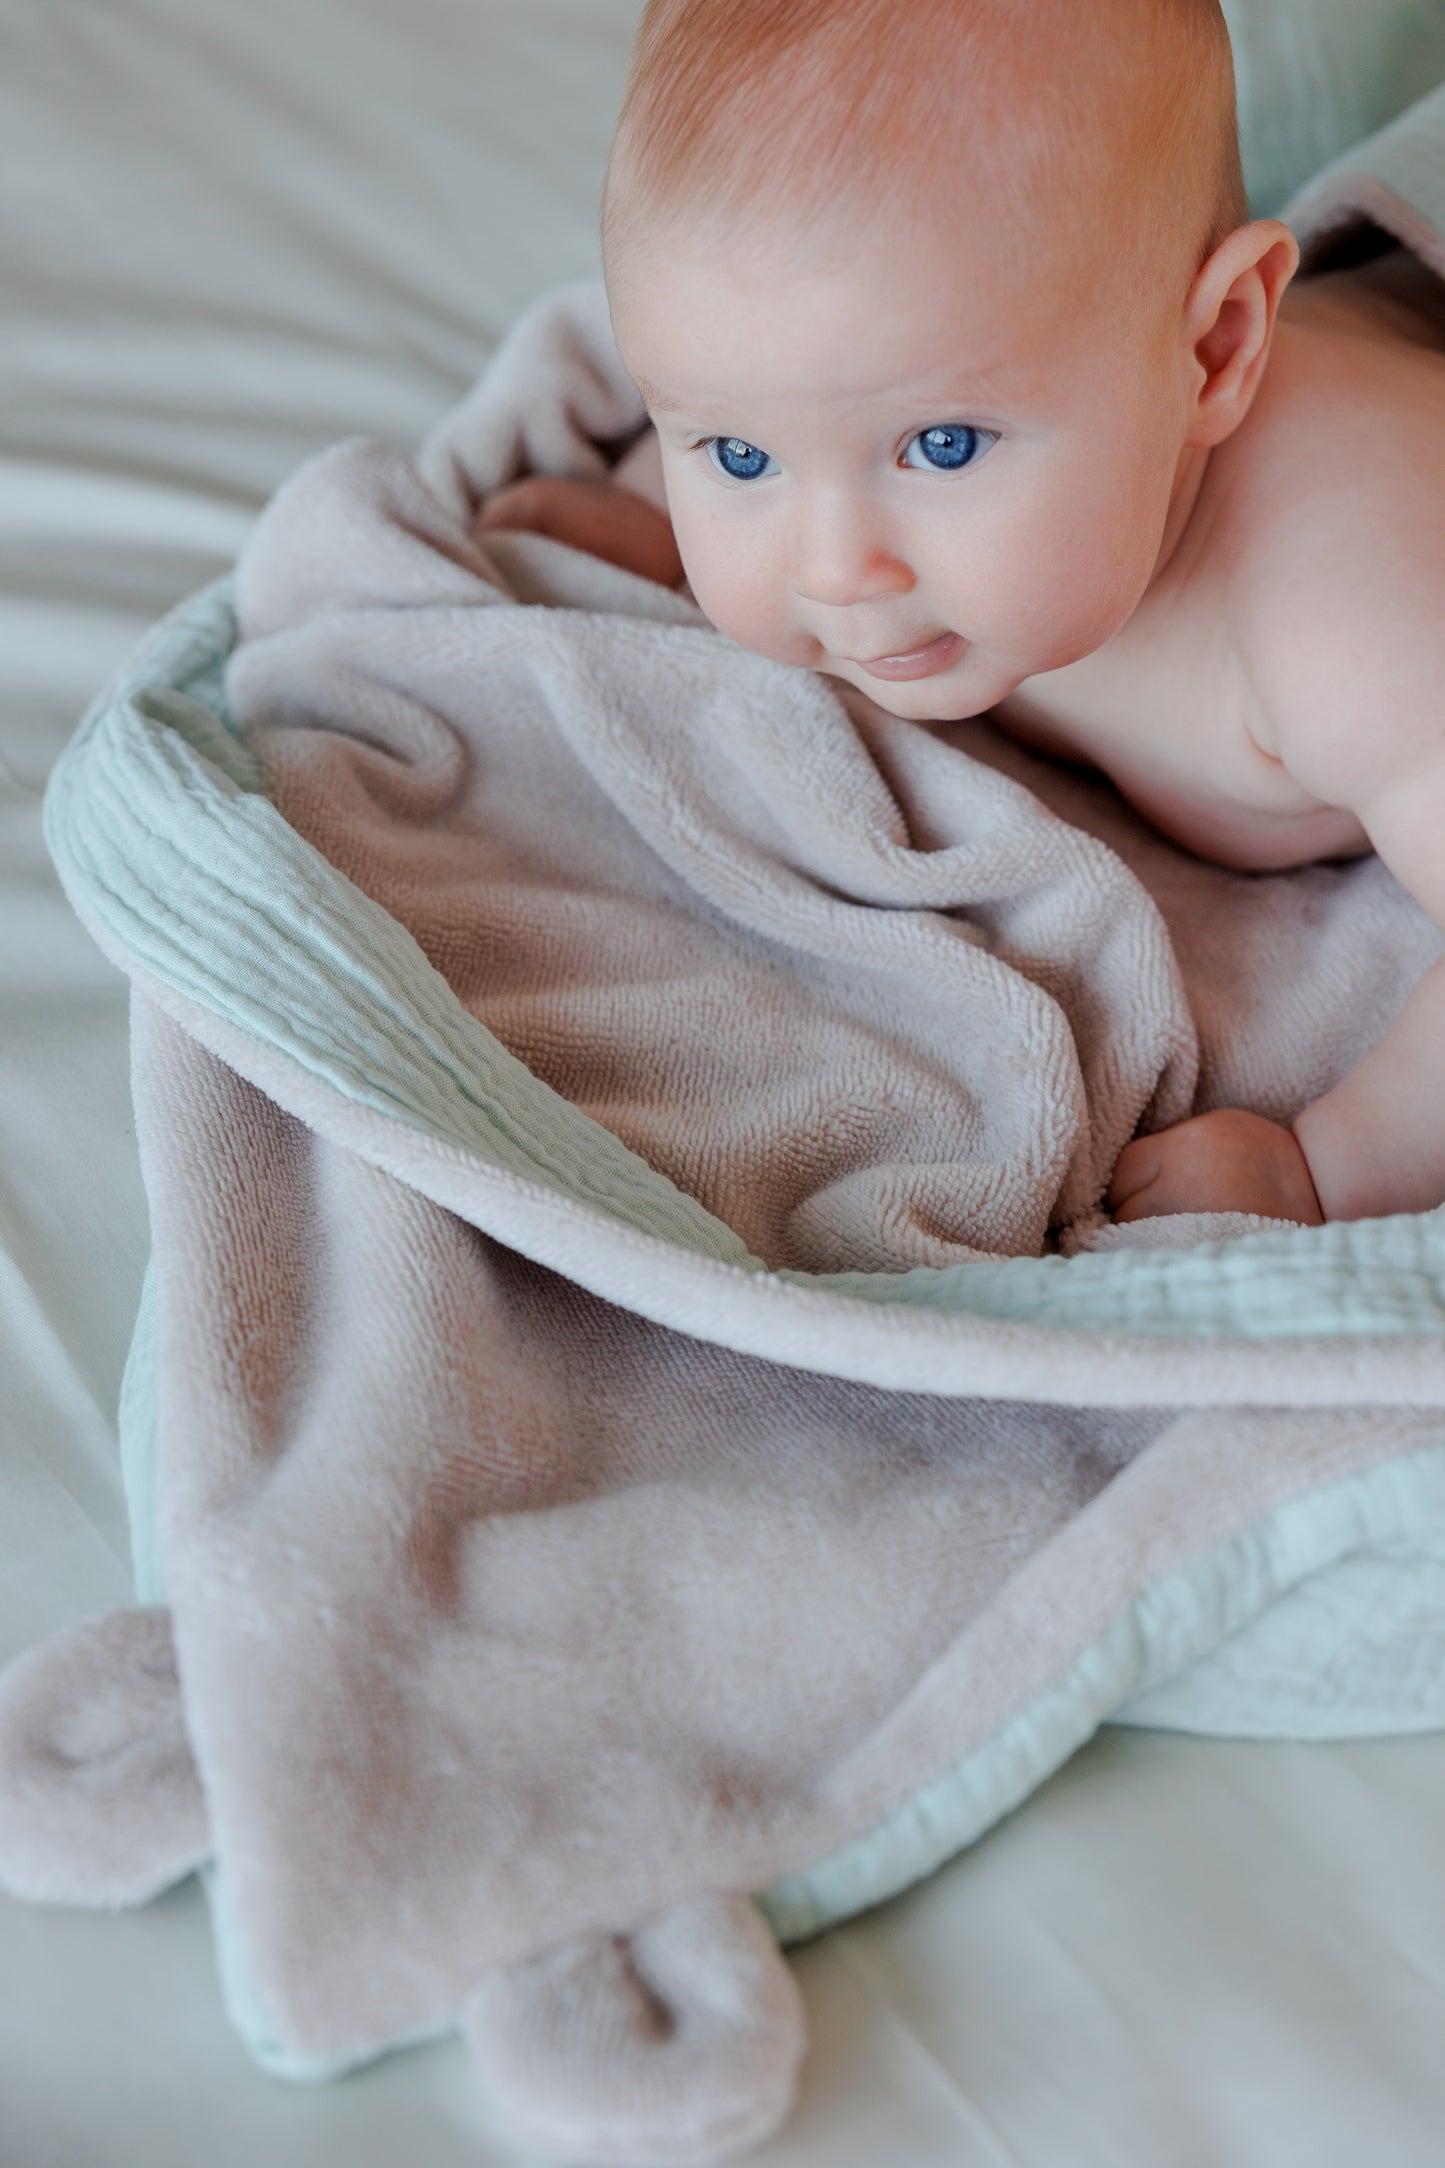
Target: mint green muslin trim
1351 1276
164 842
1273 1633
167 845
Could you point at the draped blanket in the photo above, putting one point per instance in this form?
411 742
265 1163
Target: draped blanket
642 1439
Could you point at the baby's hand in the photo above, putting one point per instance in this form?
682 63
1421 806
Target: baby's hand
1228 1161
600 517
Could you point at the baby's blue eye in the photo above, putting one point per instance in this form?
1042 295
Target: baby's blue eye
947 447
739 460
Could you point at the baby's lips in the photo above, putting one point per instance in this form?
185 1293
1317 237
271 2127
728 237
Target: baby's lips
917 662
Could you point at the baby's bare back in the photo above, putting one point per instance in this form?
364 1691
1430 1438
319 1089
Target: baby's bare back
1279 697
1247 706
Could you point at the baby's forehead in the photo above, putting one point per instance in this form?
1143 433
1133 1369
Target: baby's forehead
969 260
718 321
795 204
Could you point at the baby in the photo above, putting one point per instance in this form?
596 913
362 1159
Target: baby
975 385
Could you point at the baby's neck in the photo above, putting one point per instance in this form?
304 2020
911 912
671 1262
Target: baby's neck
1183 502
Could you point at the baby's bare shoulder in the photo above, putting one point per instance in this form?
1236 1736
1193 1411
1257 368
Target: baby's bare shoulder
1332 530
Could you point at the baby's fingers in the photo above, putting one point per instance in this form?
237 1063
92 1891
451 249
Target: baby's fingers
533 503
1135 1174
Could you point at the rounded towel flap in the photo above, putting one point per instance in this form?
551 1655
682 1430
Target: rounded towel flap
671 2048
100 1803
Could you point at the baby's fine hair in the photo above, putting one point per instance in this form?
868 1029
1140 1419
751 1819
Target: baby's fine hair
794 105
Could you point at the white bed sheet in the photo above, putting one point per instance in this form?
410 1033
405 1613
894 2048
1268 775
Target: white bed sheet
230 233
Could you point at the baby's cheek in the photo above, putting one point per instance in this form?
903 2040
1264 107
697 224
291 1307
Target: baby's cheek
1064 591
738 595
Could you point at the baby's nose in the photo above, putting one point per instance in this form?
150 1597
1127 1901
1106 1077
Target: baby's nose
839 558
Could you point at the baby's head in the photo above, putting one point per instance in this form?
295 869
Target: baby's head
936 305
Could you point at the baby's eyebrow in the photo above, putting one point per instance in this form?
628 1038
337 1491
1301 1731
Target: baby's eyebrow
979 383
656 402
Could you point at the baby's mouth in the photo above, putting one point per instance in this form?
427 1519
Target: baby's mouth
916 662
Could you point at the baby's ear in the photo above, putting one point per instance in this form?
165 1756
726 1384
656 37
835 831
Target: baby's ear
1229 322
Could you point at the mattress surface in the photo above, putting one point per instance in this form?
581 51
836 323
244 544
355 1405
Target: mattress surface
232 234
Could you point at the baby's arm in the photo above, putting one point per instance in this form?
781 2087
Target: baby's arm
1373 1145
622 518
1363 728
1227 1161
1376 1143
1371 738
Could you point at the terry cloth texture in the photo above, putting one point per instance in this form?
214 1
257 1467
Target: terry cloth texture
615 1426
